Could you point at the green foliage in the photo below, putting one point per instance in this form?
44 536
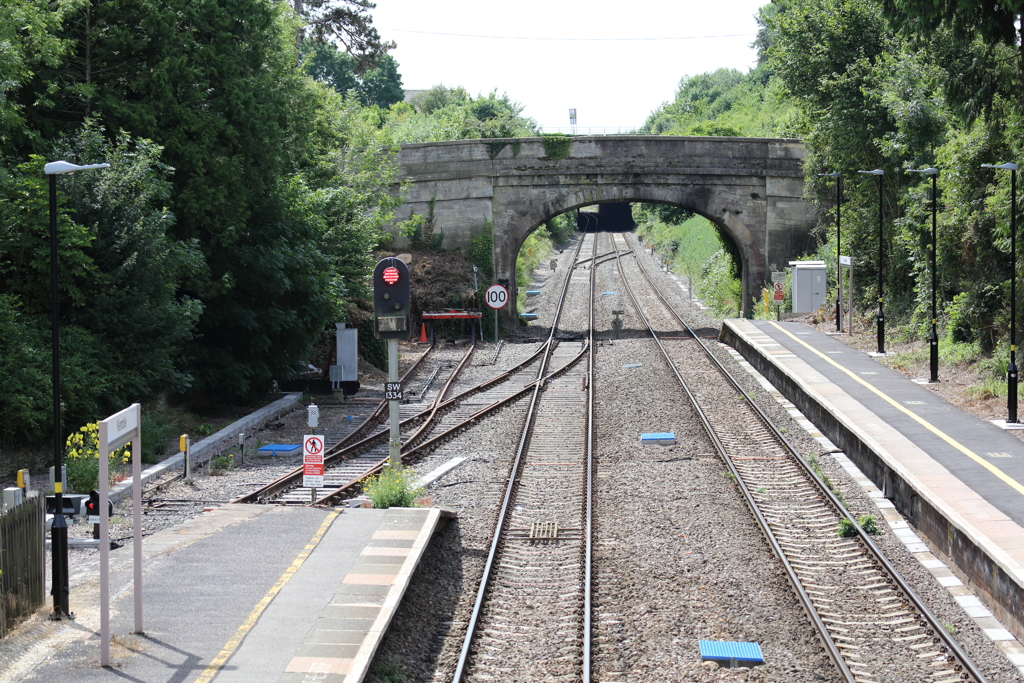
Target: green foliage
696 248
444 113
389 670
847 528
869 524
556 146
81 456
726 102
221 463
481 253
561 228
536 247
380 86
374 351
393 487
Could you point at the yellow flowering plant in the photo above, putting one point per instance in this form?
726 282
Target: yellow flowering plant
82 458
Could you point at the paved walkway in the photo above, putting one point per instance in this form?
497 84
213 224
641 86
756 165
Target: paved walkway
242 593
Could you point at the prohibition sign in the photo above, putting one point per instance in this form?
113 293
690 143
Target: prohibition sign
313 445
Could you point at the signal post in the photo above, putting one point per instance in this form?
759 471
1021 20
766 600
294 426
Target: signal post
391 322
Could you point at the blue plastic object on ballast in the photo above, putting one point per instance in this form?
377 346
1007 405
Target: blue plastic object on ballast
730 653
660 438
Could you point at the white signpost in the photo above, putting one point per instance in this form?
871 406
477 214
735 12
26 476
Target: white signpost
114 432
496 297
313 462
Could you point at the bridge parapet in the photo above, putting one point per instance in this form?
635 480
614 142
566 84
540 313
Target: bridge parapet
752 188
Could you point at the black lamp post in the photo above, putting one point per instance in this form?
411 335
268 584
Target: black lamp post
59 528
881 316
1011 370
933 340
839 268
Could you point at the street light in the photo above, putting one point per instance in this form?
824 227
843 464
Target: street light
59 528
1011 371
933 340
881 317
839 269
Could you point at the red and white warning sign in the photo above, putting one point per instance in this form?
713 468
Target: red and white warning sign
313 461
780 292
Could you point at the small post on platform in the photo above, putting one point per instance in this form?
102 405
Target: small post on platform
1011 369
395 443
878 173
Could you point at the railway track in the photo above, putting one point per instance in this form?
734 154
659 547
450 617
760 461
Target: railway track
349 454
531 617
872 625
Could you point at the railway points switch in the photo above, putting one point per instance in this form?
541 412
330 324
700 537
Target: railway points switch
660 438
731 654
276 450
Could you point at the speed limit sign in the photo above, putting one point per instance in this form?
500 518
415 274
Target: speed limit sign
496 296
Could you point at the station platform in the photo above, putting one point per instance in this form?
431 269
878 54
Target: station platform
958 479
242 593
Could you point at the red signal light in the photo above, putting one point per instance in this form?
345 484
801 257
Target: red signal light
390 275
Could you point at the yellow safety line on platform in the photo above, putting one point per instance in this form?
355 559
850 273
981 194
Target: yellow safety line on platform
229 649
924 423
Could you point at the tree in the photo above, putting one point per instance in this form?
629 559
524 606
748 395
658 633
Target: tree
380 86
349 22
973 41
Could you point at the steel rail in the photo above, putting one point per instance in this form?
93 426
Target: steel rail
805 600
439 399
938 630
291 478
513 476
287 480
382 407
334 496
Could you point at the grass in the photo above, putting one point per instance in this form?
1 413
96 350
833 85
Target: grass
389 670
393 487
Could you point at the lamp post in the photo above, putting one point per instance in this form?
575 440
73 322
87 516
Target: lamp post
839 269
1011 370
59 528
933 340
881 316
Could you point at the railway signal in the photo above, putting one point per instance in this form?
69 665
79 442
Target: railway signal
391 322
391 299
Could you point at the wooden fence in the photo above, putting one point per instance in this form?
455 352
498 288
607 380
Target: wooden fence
23 577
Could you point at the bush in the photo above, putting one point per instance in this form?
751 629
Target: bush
82 455
393 487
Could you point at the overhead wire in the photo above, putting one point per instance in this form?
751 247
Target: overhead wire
567 39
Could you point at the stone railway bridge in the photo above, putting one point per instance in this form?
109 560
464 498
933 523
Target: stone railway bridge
750 188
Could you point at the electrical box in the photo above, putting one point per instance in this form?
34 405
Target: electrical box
345 375
810 282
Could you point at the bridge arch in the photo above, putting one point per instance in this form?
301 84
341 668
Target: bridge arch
751 188
700 202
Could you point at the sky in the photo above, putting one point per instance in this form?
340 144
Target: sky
544 55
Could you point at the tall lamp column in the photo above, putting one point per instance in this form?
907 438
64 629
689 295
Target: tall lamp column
881 315
839 269
933 340
1011 370
59 528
